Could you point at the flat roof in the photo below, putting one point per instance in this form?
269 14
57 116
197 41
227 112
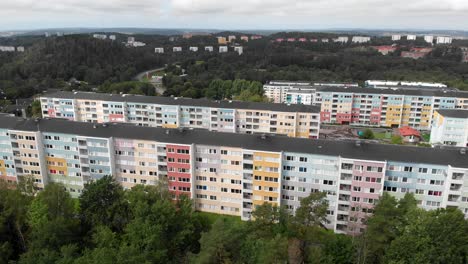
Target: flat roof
455 113
345 149
183 101
420 92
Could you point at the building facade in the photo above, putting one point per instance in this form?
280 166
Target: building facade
223 116
450 127
233 173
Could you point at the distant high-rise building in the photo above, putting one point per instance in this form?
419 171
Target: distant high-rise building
194 49
130 39
209 48
112 37
100 36
159 50
239 50
176 49
231 38
223 49
396 37
429 39
342 39
222 40
444 40
245 38
360 39
20 49
411 37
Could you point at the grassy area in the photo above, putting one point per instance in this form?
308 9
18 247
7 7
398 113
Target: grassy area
426 137
379 135
211 218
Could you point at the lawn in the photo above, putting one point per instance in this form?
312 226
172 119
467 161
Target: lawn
426 137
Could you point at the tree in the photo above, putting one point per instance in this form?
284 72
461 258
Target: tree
438 236
36 111
367 134
102 203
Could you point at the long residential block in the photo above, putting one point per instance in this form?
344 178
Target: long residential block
372 107
171 112
231 174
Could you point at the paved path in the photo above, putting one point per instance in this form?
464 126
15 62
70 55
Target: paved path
159 88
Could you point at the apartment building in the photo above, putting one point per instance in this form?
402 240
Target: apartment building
223 49
299 96
159 50
386 107
450 127
429 39
176 49
444 40
396 37
341 40
224 116
233 173
209 48
239 50
411 37
360 39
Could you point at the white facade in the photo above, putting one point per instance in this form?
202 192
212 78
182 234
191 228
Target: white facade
20 49
370 83
138 44
324 40
444 40
159 50
411 37
450 129
131 39
277 92
360 39
396 37
341 39
7 48
209 48
231 38
298 96
223 49
429 39
194 49
112 37
100 36
239 50
176 49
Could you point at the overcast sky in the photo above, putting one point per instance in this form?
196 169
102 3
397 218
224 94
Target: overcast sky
235 14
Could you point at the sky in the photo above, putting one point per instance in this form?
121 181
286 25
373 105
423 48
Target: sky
235 14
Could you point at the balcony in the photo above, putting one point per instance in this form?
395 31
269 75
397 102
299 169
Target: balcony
344 198
457 176
455 187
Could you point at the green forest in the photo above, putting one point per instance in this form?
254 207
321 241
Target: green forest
104 65
108 225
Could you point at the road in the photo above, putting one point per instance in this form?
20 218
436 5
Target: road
159 88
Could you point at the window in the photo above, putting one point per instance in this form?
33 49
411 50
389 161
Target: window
422 170
408 169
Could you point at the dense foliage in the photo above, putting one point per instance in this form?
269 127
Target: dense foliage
52 62
143 225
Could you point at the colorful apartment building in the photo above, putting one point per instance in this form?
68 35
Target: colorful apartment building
450 127
392 107
167 112
231 174
387 108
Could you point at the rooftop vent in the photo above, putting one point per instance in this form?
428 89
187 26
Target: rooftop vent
263 136
94 126
104 125
358 143
463 151
167 132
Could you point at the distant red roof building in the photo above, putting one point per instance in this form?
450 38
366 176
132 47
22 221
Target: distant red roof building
302 39
409 134
384 50
279 40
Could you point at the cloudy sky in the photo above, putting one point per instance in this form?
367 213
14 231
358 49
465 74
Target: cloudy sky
235 14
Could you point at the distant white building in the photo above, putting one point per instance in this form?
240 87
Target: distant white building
450 127
396 37
411 37
342 39
176 49
324 40
138 44
59 34
20 49
231 38
377 83
130 39
99 36
112 37
444 40
159 50
429 39
360 39
300 96
194 49
223 49
47 34
7 49
239 50
209 48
